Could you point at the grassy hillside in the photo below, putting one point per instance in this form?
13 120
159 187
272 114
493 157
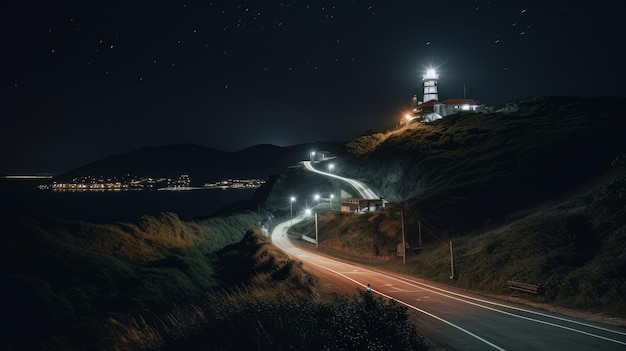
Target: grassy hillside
63 278
468 168
572 247
533 191
166 284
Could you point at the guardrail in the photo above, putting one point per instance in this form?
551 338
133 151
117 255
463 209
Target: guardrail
307 239
521 286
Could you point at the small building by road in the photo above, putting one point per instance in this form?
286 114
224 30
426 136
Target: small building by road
360 205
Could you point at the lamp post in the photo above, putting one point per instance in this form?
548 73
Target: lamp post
316 235
312 155
330 201
292 200
330 168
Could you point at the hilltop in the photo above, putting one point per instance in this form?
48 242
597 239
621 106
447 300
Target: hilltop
470 168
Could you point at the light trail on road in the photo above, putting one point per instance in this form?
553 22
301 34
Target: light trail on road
364 191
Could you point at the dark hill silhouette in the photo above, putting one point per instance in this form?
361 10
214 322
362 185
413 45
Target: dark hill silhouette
202 164
470 167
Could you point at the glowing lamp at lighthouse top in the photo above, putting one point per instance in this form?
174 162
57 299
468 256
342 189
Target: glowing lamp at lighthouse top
431 74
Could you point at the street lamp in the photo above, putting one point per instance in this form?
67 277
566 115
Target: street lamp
292 200
317 239
408 118
330 167
307 212
330 201
312 155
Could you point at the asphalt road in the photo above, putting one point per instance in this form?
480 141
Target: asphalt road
457 320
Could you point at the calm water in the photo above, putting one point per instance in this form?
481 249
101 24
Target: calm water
21 197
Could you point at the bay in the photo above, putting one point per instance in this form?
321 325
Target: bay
21 197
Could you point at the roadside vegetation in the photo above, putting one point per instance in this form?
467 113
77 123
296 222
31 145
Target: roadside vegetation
62 279
167 284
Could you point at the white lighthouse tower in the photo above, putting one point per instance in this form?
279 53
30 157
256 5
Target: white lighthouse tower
430 85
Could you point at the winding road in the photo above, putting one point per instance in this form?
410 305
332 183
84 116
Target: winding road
455 319
364 191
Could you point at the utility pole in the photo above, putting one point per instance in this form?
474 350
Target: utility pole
403 239
451 261
419 230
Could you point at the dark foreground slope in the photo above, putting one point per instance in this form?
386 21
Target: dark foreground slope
65 283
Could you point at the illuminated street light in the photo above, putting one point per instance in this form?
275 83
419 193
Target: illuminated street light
408 118
312 155
330 167
307 211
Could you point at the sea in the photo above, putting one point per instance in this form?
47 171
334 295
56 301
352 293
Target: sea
22 197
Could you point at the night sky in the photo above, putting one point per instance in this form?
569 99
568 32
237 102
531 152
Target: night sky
82 80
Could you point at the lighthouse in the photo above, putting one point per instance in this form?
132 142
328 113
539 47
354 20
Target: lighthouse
430 85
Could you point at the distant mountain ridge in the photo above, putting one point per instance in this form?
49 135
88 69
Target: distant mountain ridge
202 164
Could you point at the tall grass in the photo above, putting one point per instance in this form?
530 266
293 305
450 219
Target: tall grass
61 279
